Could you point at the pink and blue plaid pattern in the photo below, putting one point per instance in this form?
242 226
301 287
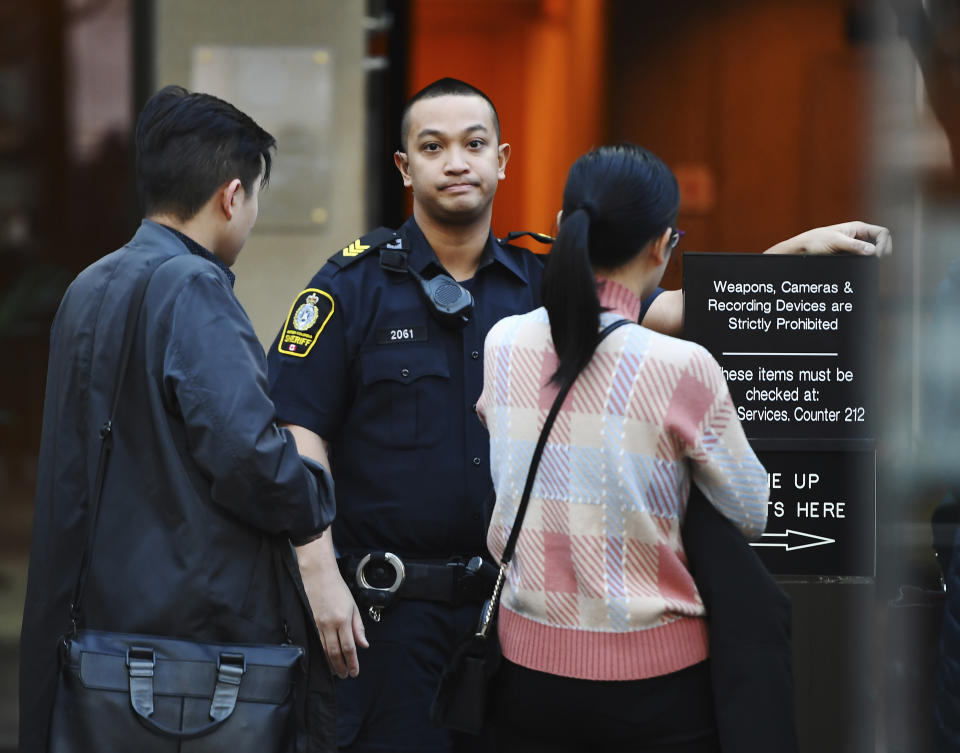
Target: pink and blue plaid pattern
599 587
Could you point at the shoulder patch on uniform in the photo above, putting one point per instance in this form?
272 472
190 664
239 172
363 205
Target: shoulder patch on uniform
362 245
309 314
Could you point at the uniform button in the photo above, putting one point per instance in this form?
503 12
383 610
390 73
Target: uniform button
404 372
476 461
474 407
475 355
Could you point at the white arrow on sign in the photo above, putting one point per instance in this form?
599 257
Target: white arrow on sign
809 539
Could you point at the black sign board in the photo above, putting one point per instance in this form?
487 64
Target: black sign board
822 517
796 339
795 336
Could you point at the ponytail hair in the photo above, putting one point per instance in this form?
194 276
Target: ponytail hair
616 200
570 296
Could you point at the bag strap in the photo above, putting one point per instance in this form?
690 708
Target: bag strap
491 607
106 434
538 451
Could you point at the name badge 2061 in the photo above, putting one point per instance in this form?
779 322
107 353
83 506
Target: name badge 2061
390 335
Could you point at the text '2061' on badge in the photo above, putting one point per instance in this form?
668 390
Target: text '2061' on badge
309 314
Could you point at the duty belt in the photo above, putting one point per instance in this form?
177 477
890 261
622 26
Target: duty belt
378 579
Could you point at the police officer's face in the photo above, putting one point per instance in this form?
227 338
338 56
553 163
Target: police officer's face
452 160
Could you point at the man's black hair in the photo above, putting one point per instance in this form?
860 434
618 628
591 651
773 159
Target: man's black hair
190 144
442 88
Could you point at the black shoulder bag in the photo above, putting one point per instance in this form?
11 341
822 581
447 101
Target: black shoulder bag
461 699
146 693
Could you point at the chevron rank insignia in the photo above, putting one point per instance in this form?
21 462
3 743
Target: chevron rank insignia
359 248
354 249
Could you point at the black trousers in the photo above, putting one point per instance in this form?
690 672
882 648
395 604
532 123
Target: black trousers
534 711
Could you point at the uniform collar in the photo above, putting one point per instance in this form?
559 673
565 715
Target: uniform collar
421 255
195 248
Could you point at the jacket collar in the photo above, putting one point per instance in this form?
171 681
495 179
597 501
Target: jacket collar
151 231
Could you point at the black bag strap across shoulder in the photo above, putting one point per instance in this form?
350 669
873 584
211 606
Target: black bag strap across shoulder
491 607
106 432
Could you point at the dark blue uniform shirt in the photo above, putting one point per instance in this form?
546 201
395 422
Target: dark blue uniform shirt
394 393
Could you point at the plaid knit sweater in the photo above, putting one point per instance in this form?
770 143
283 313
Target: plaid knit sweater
598 587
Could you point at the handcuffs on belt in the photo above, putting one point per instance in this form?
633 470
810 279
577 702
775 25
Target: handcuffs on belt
378 579
380 598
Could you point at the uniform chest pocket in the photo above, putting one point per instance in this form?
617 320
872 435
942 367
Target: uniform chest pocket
403 396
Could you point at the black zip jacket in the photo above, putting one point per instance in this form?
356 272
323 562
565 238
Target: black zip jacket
203 491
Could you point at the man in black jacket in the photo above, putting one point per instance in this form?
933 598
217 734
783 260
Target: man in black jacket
203 491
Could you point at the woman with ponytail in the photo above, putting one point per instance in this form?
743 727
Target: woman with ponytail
603 632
